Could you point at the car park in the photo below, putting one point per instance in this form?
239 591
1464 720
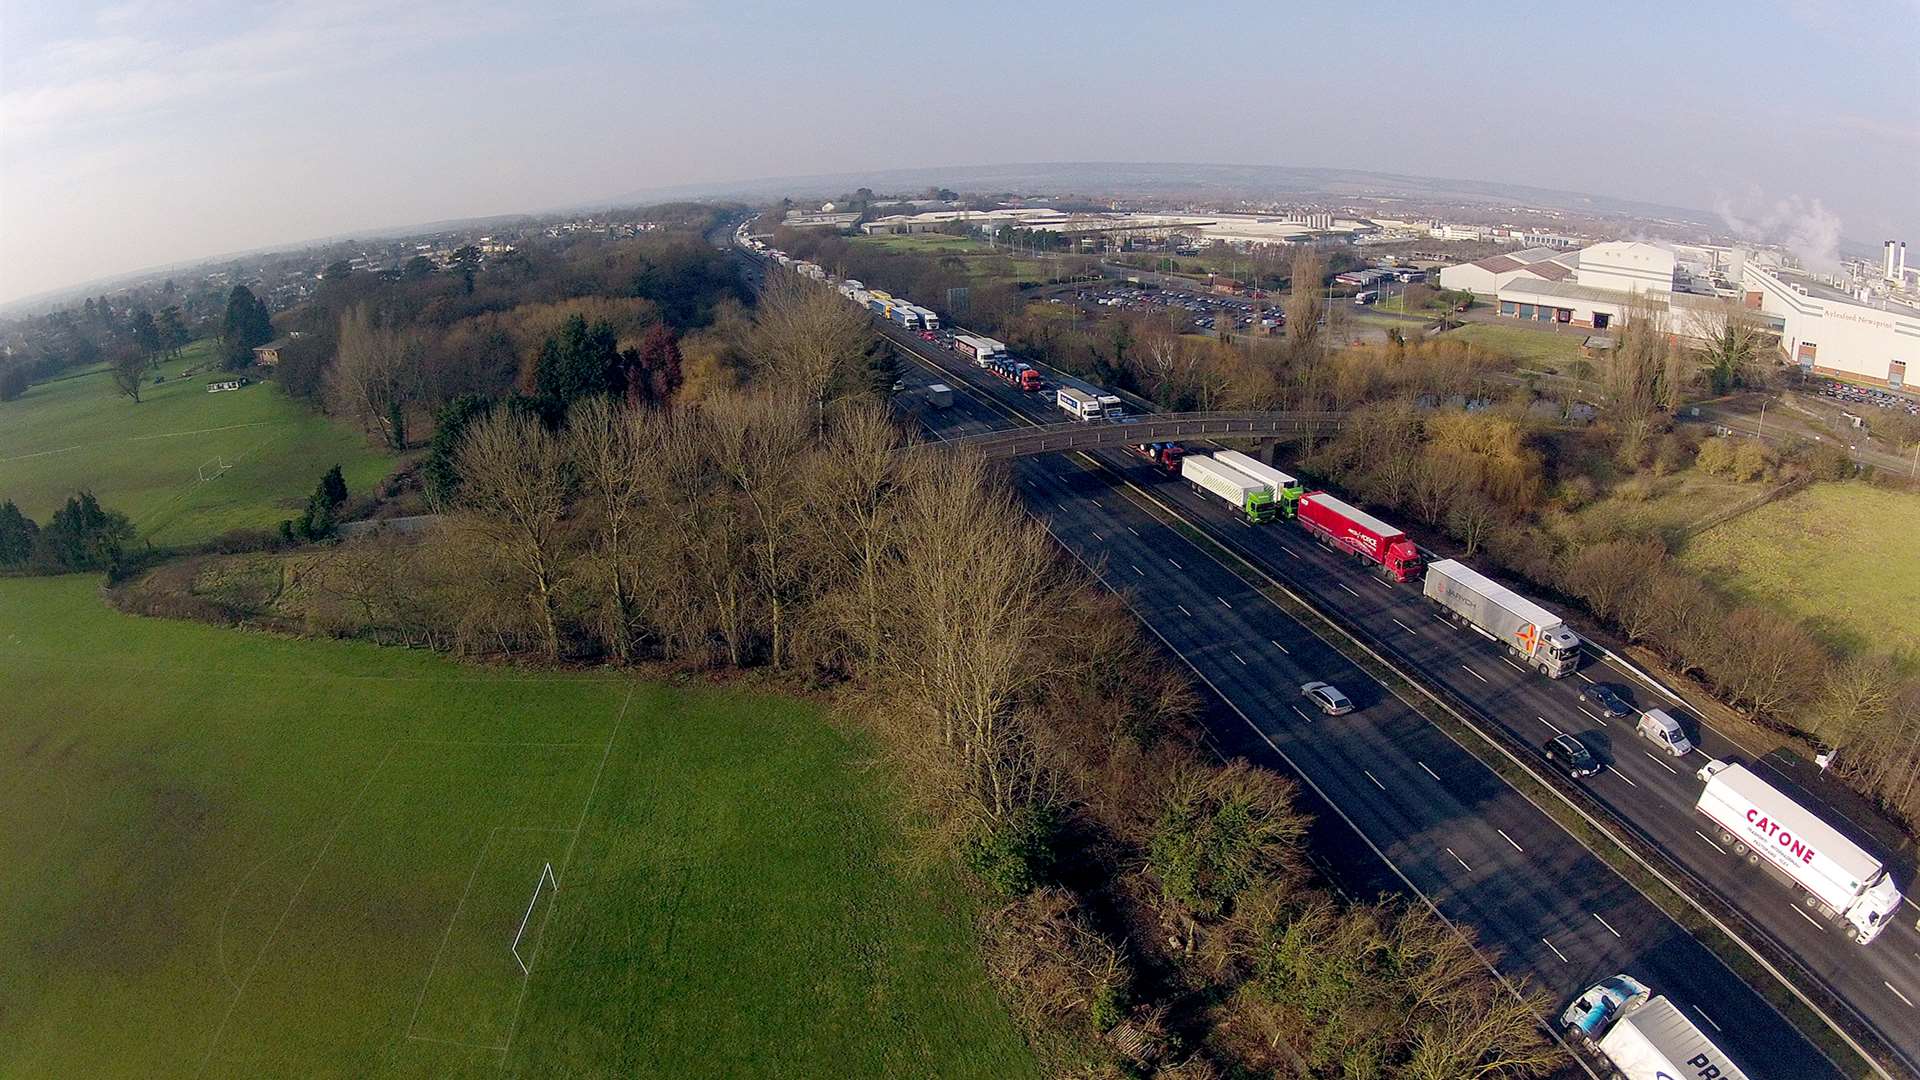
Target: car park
1571 757
1327 698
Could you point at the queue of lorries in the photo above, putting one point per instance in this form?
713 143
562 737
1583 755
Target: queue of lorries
1640 1034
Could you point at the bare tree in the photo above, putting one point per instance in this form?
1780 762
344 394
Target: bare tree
608 449
369 375
1472 518
1306 295
810 342
128 365
760 445
515 489
851 486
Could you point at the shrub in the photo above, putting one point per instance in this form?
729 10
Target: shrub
1016 855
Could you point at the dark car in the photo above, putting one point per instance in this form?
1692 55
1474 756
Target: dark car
1610 699
1571 757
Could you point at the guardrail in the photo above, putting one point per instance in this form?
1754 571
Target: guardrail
1098 434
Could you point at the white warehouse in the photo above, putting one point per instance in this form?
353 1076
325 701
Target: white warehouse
1829 332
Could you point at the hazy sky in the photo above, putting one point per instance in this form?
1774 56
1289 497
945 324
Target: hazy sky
159 130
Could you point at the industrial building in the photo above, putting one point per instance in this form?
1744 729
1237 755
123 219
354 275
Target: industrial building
1828 331
1486 277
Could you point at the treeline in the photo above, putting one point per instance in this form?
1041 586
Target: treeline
82 535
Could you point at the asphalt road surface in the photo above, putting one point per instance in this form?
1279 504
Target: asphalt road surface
1451 827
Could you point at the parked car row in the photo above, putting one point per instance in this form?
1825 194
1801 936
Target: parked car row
1866 395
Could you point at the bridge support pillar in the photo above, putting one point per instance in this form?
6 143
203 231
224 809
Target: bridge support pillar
1266 450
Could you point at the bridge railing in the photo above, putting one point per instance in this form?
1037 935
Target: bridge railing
1158 427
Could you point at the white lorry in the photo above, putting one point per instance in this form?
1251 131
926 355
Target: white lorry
1286 489
1111 407
1642 1036
1530 630
1078 404
1244 493
981 350
1837 878
940 396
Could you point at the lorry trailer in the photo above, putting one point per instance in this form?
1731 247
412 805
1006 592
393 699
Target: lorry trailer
1644 1036
1836 878
1165 456
940 396
980 350
1078 404
1228 484
1015 373
1286 489
1345 528
1531 631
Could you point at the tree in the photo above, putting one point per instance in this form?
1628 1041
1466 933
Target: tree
323 507
417 268
1220 832
14 381
338 270
440 473
811 343
759 446
607 447
1472 518
1732 337
369 377
146 334
1305 292
466 260
174 334
515 490
659 370
245 327
578 361
128 365
18 535
84 536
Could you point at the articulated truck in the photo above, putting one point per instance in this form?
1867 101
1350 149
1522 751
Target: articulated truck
1642 1036
1345 528
1230 485
1836 878
1165 456
1286 489
1531 631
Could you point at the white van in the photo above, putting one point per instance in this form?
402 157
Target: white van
1662 728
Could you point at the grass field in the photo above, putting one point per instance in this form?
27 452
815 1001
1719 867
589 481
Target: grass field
1834 555
235 855
147 459
984 264
1523 343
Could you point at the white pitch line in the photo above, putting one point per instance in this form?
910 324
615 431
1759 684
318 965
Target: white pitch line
1461 861
1890 986
1556 952
1804 915
1473 673
1403 626
1704 836
1430 772
1184 611
1510 840
1281 647
1622 776
1223 600
1378 784
1708 1019
1343 585
1551 724
1606 924
1660 763
1237 656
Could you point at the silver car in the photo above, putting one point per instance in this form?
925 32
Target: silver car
1328 698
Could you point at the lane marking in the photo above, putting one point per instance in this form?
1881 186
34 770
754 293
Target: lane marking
1176 565
1461 861
1237 656
1303 715
1510 840
1708 1019
1403 626
1096 502
1137 570
1584 675
1133 530
1660 763
1604 923
1097 536
1591 716
1890 986
1377 783
1380 583
1556 952
1343 585
1223 600
1281 647
1709 840
1473 673
1430 772
1622 776
1550 724
1184 611
1289 551
1513 665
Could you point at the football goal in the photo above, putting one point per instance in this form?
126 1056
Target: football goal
214 467
547 883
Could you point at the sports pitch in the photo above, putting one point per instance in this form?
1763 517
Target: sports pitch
230 854
184 464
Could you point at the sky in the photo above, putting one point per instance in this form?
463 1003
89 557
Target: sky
150 132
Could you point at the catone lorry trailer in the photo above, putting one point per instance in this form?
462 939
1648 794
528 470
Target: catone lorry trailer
1836 878
1286 489
1644 1036
1250 497
1531 631
1345 528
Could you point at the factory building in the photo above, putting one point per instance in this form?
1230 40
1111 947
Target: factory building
1828 331
1486 277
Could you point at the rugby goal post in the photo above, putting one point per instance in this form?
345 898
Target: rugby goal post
544 881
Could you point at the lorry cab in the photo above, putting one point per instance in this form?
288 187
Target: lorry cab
1593 1011
1664 730
1402 560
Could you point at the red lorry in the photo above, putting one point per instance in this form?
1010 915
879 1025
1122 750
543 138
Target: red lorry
1344 528
1016 374
1164 455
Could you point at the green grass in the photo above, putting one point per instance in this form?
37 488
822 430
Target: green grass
1551 347
1834 556
230 854
937 243
145 459
1666 506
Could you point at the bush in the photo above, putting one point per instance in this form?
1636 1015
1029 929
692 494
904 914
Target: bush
1016 855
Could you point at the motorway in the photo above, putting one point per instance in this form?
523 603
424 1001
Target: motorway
1451 827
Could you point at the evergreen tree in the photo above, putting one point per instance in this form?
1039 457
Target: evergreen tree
246 327
174 334
83 536
17 535
146 333
579 361
323 507
449 426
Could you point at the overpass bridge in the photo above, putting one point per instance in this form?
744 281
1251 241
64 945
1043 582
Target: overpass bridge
1155 427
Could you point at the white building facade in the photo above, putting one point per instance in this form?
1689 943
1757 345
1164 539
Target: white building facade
1827 332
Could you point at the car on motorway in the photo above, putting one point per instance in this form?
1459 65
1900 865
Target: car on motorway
1660 726
1570 756
1610 699
1328 698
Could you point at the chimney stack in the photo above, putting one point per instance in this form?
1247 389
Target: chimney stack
1886 260
1900 275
